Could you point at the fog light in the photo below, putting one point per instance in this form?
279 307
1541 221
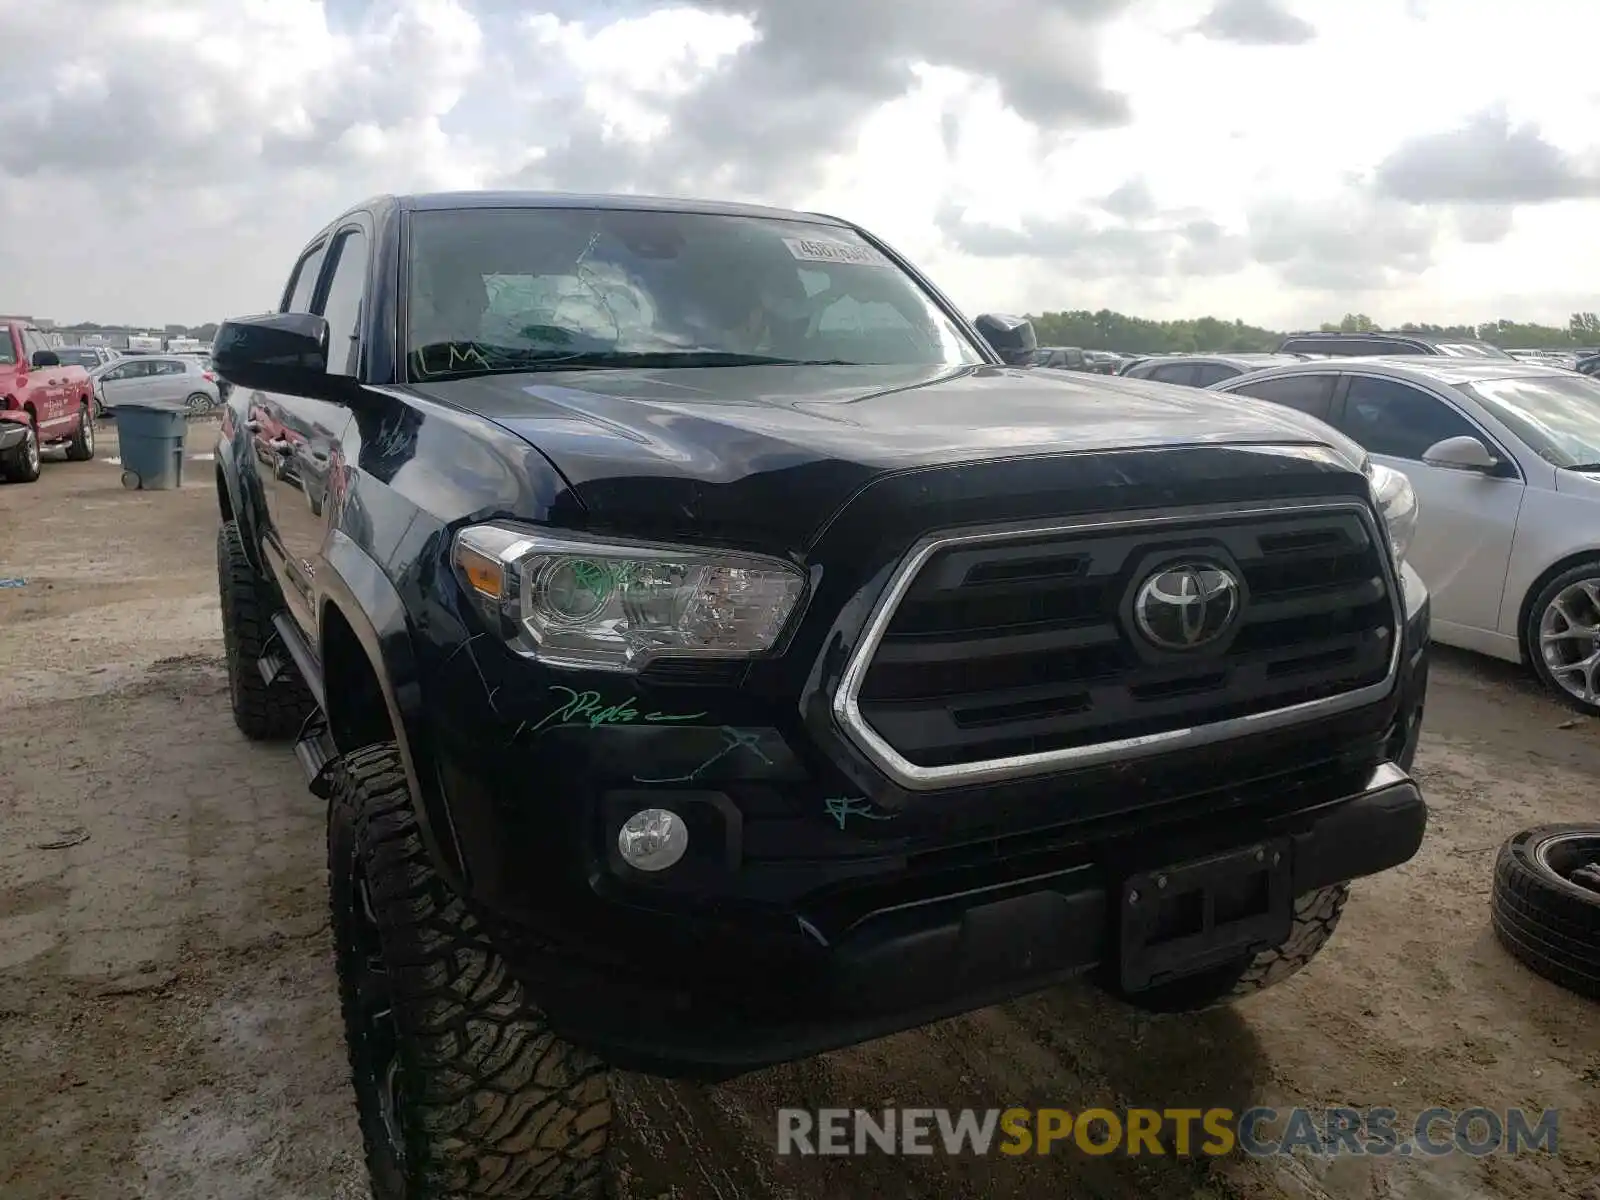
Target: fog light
653 839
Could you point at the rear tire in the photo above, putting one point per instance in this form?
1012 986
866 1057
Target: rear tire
262 711
461 1088
81 447
1316 916
198 404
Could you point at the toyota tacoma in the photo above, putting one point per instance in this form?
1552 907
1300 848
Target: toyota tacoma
715 650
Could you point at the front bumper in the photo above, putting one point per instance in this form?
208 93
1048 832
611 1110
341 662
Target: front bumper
906 967
788 934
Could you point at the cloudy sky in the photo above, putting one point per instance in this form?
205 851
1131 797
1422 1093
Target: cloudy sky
1283 161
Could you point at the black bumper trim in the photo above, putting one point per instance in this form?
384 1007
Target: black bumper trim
12 434
905 968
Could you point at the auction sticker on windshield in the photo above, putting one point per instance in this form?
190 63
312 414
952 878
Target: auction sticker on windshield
820 250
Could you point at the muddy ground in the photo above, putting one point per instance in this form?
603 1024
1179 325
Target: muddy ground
168 1021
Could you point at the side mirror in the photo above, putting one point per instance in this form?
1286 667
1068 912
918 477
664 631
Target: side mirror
1464 453
1012 338
278 352
45 358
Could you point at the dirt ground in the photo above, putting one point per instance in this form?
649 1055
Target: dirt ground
168 1021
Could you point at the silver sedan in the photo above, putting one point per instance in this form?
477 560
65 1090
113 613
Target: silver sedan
1504 458
185 379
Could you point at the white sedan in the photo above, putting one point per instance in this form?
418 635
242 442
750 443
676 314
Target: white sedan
1504 458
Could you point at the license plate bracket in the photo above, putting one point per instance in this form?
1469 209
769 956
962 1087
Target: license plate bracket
1190 916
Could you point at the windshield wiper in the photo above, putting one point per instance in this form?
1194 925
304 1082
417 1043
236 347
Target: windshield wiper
1594 466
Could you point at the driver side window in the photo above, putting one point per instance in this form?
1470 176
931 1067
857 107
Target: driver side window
1395 419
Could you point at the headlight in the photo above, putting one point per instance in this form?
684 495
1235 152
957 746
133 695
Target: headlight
1392 493
600 605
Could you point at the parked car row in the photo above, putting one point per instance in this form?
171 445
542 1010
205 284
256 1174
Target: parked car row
1072 358
52 395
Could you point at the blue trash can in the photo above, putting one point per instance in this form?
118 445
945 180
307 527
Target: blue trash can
150 437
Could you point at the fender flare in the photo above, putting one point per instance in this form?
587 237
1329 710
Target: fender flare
369 603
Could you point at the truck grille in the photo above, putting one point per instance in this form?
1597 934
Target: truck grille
1024 644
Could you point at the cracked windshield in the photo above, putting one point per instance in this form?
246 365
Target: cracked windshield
498 290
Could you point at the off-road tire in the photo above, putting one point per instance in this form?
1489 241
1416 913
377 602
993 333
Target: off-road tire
1550 923
262 711
1316 916
17 464
489 1102
81 447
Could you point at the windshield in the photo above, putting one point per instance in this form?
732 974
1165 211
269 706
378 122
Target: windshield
78 358
1558 416
1470 350
540 288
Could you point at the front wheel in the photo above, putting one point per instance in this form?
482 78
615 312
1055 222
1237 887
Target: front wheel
21 463
1316 916
1563 636
197 403
461 1088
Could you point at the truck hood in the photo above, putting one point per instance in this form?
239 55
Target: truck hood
625 439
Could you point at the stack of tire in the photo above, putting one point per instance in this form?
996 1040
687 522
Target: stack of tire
1546 903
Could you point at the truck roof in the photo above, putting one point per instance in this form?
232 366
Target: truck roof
434 201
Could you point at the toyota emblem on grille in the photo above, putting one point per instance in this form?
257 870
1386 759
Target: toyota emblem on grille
1187 605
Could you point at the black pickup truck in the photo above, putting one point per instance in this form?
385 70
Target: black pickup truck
715 650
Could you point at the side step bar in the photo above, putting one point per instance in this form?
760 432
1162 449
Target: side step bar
290 639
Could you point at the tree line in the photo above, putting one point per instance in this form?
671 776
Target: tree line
1107 330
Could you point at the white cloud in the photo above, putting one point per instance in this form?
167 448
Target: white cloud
635 68
1255 158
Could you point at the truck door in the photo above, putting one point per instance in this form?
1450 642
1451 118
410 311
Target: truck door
49 389
303 520
269 424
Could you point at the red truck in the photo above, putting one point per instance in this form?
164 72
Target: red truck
42 403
